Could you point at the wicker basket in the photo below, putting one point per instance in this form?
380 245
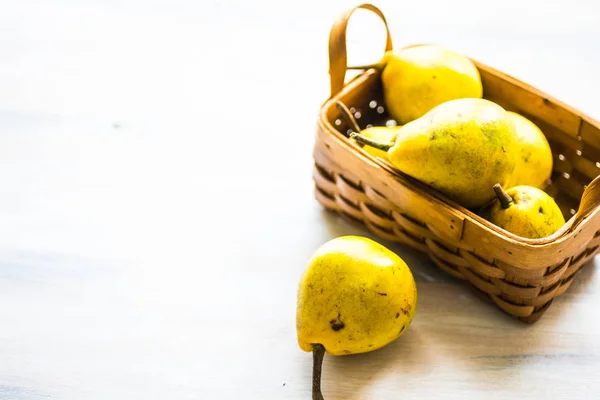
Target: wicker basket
521 276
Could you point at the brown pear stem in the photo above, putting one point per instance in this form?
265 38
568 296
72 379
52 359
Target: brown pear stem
347 115
318 354
370 142
503 197
378 66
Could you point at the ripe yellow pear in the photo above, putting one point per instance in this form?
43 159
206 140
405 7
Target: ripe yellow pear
534 164
355 296
418 78
460 148
526 211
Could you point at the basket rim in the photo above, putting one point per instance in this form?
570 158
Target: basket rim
560 236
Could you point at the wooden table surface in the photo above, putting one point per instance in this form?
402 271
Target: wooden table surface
157 211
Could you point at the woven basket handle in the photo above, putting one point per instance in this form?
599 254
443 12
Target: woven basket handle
589 201
338 60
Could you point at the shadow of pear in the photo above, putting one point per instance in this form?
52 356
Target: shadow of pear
462 327
463 330
351 377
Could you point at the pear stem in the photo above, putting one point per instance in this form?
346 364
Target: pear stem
370 142
378 66
347 115
318 354
503 197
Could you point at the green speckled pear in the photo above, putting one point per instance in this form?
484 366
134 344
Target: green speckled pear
460 148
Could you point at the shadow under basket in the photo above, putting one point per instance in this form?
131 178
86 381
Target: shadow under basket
521 276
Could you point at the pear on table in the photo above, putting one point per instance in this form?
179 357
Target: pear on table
355 296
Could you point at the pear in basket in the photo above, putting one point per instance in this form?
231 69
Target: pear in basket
417 78
525 211
534 164
378 133
460 148
355 296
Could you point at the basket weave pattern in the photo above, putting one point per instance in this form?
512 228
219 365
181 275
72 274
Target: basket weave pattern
521 276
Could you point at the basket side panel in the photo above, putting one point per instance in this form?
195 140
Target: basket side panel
573 137
519 278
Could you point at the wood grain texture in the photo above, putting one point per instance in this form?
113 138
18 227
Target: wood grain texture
140 261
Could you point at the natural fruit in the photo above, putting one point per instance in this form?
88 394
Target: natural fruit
526 211
418 78
460 148
355 296
534 162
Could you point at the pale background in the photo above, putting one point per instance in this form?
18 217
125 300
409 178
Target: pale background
156 206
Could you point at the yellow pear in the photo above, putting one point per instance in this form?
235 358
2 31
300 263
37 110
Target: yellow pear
418 78
526 211
460 148
534 164
355 296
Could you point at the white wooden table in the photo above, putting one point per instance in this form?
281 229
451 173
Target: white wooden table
156 206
